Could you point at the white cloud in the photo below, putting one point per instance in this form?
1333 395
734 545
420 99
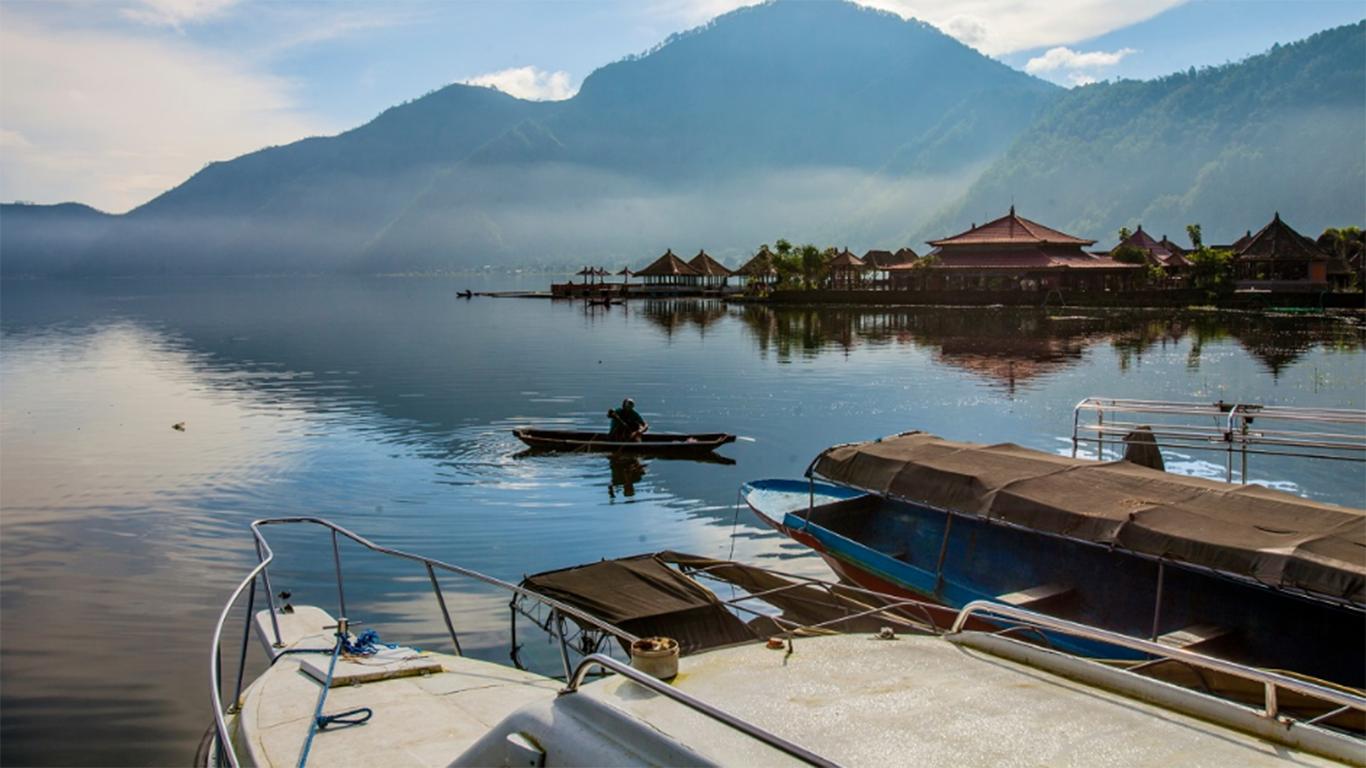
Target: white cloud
996 27
113 121
176 13
1062 57
528 83
992 26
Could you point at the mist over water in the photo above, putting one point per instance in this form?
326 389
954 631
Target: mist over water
387 404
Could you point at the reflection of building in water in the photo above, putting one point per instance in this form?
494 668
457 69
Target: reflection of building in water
1011 347
671 315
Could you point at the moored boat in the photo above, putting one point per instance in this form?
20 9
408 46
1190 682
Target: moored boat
1239 572
650 443
818 690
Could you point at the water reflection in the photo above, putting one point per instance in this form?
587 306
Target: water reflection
1011 347
388 406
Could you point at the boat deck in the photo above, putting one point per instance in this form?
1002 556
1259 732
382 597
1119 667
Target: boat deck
859 701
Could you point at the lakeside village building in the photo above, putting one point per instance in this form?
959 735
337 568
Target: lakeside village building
1011 253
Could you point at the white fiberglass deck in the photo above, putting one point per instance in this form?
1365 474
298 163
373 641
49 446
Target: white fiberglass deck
856 700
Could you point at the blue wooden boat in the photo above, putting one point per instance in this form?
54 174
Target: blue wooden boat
1243 572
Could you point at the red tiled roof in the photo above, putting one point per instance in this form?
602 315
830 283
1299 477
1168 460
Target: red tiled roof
1012 229
706 265
668 265
1023 259
846 259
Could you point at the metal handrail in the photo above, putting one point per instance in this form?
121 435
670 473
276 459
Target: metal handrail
266 555
1270 681
1230 430
693 703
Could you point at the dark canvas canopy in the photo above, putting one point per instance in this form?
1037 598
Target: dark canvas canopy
1243 530
645 597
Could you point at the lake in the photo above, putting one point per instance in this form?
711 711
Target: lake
387 404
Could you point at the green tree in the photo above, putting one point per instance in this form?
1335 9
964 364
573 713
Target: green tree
1193 232
1211 268
1129 254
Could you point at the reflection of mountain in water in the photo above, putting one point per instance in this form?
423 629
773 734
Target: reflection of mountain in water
1011 346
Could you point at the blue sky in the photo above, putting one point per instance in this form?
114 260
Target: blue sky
113 101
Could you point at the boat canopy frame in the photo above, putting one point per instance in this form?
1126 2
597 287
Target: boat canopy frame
1309 433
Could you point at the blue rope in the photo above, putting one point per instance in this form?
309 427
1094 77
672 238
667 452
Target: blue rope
322 697
367 644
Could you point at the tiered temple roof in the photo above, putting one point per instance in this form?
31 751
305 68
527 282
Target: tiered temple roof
1012 229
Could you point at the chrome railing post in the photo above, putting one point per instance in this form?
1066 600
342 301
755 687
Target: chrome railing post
445 614
270 595
246 638
564 644
336 563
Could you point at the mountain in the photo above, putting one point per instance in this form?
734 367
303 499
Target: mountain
781 119
48 239
1225 147
814 121
784 119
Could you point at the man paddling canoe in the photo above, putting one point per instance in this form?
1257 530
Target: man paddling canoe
627 424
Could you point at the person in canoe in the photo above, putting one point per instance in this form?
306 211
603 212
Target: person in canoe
627 423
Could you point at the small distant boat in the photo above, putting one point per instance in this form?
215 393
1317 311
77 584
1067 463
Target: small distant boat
656 444
604 302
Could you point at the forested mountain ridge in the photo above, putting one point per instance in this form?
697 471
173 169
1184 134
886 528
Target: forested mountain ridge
823 122
1225 146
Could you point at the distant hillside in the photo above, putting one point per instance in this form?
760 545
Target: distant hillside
48 239
787 118
1225 147
814 121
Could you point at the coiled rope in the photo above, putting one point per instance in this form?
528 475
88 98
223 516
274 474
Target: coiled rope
367 644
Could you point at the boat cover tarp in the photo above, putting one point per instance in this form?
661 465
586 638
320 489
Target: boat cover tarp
645 597
1280 540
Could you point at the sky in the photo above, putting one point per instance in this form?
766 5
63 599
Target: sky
111 102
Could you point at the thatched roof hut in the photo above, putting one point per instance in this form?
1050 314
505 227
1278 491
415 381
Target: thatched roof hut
712 271
669 269
759 266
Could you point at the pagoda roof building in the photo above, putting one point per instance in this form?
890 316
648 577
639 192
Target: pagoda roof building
1277 241
1012 229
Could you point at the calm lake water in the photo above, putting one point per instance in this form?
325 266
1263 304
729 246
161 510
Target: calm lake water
387 406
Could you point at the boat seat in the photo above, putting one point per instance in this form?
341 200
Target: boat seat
1193 635
1033 596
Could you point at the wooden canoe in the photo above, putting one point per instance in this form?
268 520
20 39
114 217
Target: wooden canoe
657 444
